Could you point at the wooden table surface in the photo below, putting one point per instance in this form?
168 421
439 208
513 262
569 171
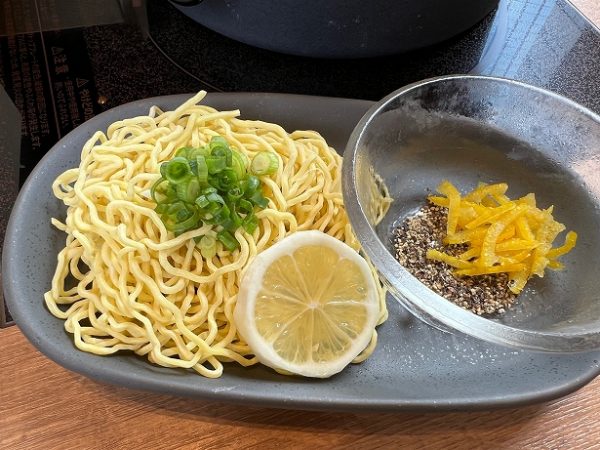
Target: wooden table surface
591 8
45 406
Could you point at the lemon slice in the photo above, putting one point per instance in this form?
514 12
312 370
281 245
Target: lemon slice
307 305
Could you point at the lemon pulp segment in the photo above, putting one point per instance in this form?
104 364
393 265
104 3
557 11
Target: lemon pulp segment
308 317
308 305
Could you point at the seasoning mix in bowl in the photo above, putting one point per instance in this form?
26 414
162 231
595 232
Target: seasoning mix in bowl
485 294
480 250
506 250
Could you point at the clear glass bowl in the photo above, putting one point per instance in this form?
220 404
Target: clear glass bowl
468 129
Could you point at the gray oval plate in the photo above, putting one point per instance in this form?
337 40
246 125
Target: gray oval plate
414 367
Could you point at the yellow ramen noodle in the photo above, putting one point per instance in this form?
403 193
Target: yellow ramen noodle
123 282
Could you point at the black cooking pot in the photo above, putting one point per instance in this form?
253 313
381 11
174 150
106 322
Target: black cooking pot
337 28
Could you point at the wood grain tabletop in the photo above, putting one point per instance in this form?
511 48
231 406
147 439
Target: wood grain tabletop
590 8
45 406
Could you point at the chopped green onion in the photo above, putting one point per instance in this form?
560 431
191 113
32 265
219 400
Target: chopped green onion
223 152
202 201
233 222
226 180
245 206
193 167
180 226
158 190
234 194
207 213
213 197
201 169
206 216
259 200
177 170
221 215
183 214
214 184
228 240
239 162
187 225
188 192
219 147
174 208
193 153
251 184
208 246
183 152
161 208
215 164
250 223
264 163
218 141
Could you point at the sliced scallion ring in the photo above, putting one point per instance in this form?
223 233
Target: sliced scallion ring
264 163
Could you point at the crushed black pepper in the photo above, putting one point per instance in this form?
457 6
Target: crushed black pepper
483 295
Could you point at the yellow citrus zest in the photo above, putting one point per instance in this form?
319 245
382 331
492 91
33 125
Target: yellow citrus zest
503 235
